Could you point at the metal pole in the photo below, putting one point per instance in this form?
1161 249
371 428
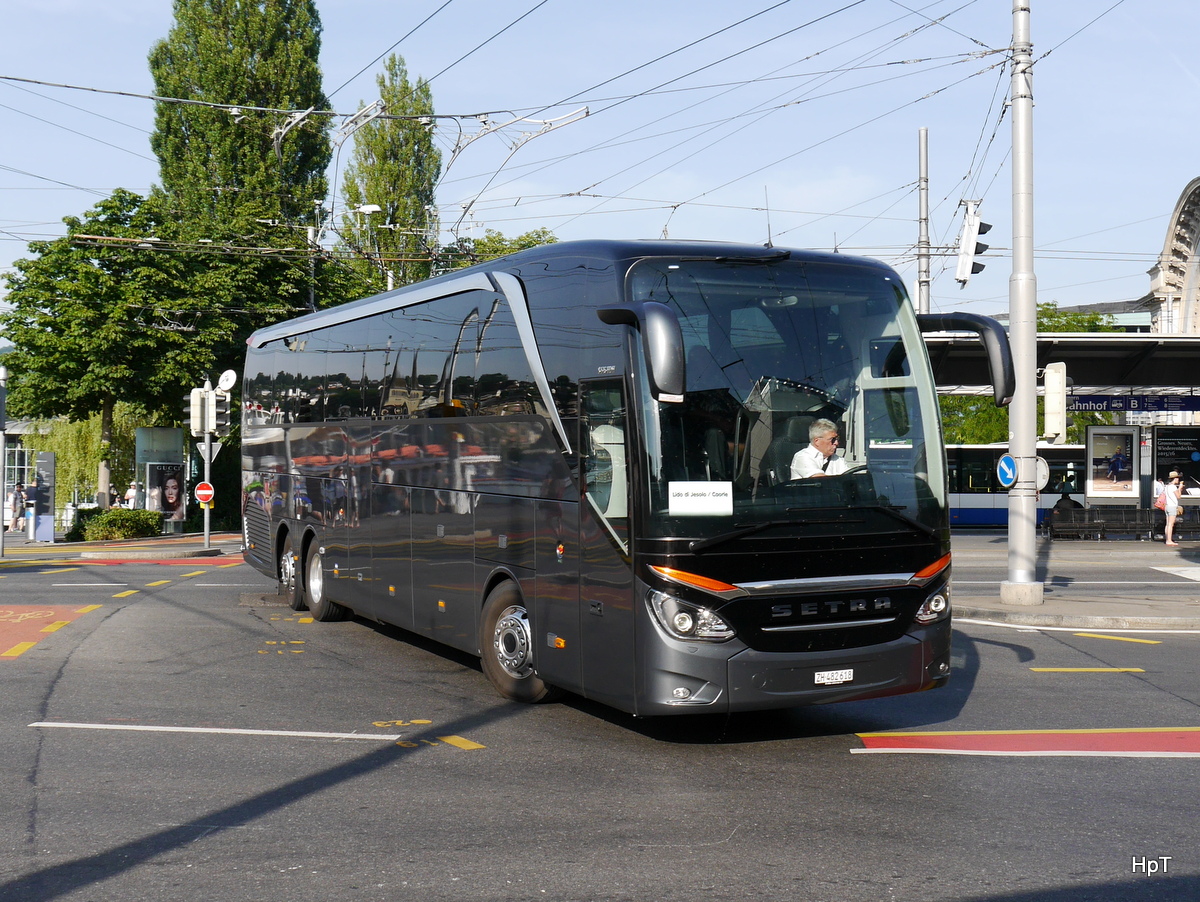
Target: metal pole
207 460
1022 586
923 282
3 454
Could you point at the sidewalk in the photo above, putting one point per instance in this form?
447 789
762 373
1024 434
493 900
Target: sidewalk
1107 608
189 545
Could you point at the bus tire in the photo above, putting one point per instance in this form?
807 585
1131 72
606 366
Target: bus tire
319 604
291 586
506 648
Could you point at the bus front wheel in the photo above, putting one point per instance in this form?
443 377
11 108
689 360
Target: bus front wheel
506 644
319 605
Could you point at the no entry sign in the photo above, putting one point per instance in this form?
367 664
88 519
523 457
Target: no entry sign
204 492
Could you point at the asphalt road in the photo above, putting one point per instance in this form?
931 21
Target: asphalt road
171 731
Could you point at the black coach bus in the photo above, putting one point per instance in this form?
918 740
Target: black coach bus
575 462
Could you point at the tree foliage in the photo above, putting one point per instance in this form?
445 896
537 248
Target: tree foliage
240 185
395 167
493 245
223 168
972 419
78 451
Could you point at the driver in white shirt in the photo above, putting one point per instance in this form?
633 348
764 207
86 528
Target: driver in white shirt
820 458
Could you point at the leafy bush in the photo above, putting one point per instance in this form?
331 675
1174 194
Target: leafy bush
83 516
119 523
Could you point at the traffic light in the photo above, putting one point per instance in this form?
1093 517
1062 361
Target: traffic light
197 410
218 412
968 245
1056 420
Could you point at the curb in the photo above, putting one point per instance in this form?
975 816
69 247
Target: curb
1076 621
116 554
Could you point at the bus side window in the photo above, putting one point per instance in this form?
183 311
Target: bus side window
605 467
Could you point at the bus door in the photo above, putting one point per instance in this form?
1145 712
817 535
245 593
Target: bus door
606 575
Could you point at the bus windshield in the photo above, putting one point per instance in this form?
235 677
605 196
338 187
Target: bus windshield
773 347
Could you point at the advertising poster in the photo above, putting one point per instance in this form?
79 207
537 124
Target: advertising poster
166 490
1113 454
1178 448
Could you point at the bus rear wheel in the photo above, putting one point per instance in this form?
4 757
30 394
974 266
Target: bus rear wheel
291 586
319 605
506 652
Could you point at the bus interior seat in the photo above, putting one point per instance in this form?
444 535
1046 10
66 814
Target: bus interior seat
778 463
716 455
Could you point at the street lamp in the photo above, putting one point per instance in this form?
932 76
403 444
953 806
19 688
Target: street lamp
367 210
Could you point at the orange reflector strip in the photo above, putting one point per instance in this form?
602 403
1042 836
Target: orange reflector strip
933 569
692 579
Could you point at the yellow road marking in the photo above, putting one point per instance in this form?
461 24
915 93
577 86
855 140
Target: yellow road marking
305 620
194 573
161 582
460 743
126 594
51 572
18 649
1087 670
89 609
1118 638
55 627
227 566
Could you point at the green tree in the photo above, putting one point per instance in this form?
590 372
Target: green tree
974 419
240 186
493 245
98 320
395 168
221 169
77 450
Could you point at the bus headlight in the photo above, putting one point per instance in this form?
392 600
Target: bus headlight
935 608
683 620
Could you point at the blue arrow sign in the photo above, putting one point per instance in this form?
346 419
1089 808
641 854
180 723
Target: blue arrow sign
1006 470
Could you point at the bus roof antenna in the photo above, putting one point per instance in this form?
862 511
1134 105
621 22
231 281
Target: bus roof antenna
767 207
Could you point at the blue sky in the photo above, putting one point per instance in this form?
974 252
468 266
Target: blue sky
795 120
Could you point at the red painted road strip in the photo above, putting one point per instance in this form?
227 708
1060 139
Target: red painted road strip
23 626
1166 742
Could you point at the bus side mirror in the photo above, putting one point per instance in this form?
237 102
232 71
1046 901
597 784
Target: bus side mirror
662 340
995 344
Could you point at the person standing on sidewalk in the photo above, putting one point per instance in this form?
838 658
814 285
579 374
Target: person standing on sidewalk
16 507
1171 490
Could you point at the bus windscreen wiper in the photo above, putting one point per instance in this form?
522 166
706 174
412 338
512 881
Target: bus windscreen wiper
898 514
702 545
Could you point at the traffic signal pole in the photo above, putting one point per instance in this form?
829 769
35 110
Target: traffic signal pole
207 467
1022 586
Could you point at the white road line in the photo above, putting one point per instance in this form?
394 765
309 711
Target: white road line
377 737
86 585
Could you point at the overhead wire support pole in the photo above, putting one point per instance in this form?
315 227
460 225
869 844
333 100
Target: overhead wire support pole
923 281
1022 586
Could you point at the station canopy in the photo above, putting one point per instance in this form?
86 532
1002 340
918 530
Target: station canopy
1098 363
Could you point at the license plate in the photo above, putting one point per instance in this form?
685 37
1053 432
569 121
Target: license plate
833 677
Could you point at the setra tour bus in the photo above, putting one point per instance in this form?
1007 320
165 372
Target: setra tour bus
576 463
